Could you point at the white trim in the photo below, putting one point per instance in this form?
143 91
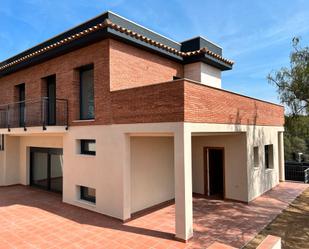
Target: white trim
84 202
83 120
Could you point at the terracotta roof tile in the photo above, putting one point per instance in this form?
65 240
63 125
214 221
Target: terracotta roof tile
110 24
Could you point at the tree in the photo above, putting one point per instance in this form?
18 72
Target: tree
293 82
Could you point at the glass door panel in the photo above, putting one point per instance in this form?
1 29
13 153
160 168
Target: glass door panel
51 94
22 97
56 163
39 169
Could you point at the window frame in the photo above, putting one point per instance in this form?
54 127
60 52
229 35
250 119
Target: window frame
85 196
83 143
80 71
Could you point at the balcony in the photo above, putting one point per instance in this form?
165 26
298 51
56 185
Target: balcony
41 112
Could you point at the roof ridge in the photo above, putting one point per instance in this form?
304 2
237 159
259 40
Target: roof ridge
108 23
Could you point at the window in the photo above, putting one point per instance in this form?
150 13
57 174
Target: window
256 156
88 147
176 78
86 93
87 194
1 142
269 158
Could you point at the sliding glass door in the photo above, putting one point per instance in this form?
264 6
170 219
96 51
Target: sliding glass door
46 168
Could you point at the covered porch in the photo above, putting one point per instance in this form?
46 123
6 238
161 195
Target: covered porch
203 161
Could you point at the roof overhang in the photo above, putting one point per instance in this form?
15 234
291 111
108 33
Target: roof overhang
110 25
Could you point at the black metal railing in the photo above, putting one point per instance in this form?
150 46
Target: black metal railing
40 112
297 171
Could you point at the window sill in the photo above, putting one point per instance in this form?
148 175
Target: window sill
269 170
86 155
84 202
83 120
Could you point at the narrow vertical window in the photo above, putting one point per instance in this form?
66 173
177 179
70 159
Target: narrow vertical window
86 93
256 156
1 142
269 156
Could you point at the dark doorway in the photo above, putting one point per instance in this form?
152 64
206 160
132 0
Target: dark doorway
21 104
214 171
51 95
46 168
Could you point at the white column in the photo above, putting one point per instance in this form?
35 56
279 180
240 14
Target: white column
281 156
126 179
183 184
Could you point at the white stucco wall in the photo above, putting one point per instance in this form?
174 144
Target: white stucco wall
9 162
235 168
109 172
204 73
152 171
261 179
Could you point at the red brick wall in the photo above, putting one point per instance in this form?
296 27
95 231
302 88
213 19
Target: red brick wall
149 104
67 80
190 102
122 66
133 67
210 105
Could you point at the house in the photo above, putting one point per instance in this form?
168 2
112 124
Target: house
118 118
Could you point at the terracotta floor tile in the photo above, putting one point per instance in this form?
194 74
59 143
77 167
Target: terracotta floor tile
32 218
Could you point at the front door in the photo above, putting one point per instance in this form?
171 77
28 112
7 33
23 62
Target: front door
214 171
51 94
46 168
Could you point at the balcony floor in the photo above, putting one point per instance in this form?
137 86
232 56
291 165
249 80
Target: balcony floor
32 218
34 130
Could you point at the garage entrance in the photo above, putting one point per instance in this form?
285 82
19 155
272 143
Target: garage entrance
46 168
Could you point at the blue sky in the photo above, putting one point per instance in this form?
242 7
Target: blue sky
255 34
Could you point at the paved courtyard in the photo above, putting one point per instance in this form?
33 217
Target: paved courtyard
31 218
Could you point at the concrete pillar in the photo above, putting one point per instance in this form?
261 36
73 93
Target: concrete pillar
183 184
281 157
126 188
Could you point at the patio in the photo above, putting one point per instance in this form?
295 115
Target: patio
32 218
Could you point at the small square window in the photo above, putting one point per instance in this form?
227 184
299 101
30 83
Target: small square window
256 156
88 147
87 194
176 78
269 156
1 142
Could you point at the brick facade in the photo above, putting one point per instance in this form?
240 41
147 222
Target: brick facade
187 101
149 104
128 89
133 67
211 105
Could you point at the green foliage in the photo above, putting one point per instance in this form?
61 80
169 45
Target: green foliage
293 82
296 136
